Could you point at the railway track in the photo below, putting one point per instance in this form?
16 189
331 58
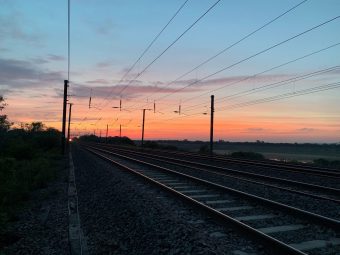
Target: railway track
282 229
217 159
301 188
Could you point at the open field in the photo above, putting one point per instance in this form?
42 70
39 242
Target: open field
276 151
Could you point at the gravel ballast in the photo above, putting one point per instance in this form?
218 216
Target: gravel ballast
121 214
309 231
322 207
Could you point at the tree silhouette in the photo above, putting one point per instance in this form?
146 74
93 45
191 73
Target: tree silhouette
4 123
35 127
2 103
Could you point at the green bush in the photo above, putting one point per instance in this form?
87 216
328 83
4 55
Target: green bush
110 140
28 160
20 150
321 162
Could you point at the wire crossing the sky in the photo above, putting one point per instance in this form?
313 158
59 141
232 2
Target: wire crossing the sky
154 40
250 57
279 97
147 48
167 48
268 86
229 47
255 75
284 96
141 56
170 45
232 81
268 70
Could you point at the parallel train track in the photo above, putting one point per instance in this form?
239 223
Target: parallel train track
218 159
244 211
302 188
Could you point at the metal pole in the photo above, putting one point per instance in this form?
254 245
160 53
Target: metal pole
69 125
212 125
120 130
107 131
63 135
143 127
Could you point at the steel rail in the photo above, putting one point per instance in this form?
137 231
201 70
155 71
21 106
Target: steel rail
271 243
331 223
318 171
314 187
153 157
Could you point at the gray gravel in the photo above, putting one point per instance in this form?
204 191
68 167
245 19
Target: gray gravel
310 232
122 215
42 226
303 177
322 207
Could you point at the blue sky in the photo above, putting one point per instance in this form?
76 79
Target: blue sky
108 36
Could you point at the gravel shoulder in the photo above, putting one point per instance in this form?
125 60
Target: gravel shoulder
120 214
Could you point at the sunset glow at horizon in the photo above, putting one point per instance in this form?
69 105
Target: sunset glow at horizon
287 93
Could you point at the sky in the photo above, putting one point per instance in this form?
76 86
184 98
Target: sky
272 66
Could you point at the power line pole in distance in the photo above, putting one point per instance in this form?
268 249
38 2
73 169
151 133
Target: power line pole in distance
63 135
143 125
107 131
69 124
212 125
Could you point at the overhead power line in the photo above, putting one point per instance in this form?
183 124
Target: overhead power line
142 54
280 83
170 45
271 85
265 71
284 96
167 48
316 89
229 47
250 57
154 40
148 47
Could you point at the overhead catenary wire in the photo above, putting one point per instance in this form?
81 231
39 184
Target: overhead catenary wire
262 72
280 83
335 18
250 57
312 90
154 40
230 46
271 85
257 74
285 95
140 57
267 86
254 75
165 50
147 48
170 45
283 82
109 96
